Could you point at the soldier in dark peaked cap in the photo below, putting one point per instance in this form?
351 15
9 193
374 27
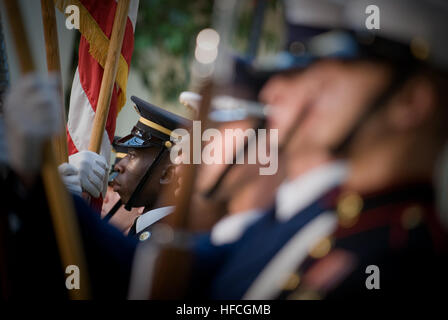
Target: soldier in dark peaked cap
147 166
388 239
122 219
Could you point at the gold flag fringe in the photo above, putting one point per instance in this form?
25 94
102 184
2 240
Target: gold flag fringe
99 44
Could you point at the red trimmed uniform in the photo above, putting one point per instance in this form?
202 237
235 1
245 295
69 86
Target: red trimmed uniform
392 243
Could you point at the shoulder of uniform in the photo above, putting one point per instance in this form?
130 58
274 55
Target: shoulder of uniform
394 209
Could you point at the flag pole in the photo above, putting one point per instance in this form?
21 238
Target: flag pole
54 65
109 75
61 206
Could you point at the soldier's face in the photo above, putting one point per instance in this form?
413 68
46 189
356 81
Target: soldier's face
346 90
286 95
334 93
130 171
228 146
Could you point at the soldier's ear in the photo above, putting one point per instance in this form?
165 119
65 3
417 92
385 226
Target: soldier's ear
167 174
414 105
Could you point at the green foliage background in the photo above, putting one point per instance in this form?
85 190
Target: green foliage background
165 40
164 43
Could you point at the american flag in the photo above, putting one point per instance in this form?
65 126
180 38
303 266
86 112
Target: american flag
96 22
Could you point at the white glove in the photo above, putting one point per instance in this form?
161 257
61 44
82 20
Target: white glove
93 172
70 177
191 100
32 116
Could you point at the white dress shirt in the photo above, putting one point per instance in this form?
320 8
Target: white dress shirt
152 216
295 195
231 227
292 198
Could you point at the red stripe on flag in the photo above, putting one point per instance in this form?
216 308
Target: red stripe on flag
71 146
90 75
91 72
104 12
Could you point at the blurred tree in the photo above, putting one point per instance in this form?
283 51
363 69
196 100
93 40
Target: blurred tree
164 43
165 40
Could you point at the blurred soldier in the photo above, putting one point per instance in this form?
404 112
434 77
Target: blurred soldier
310 171
214 252
86 170
147 167
386 230
380 110
230 197
242 195
380 106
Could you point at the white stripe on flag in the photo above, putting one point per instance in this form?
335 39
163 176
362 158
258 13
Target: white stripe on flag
133 9
80 120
